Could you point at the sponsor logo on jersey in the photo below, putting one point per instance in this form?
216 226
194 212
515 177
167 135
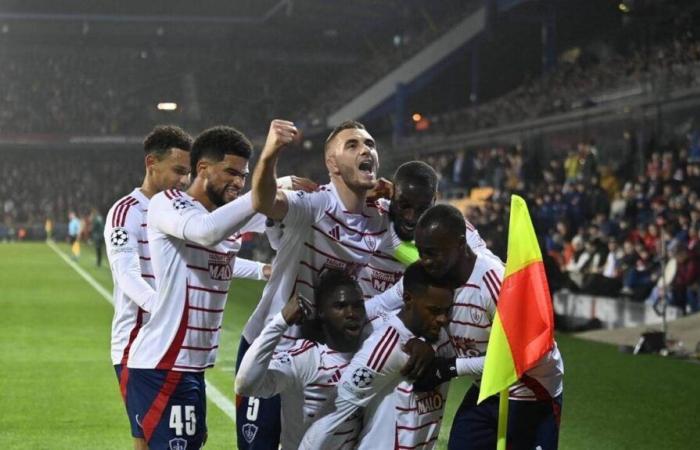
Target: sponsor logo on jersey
178 444
220 267
432 402
335 232
249 432
381 281
335 377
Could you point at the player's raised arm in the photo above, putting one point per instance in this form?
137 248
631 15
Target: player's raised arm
260 376
266 198
179 217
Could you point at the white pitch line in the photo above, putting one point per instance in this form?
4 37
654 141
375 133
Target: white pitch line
214 394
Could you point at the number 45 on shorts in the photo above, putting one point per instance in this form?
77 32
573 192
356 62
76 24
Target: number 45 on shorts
183 420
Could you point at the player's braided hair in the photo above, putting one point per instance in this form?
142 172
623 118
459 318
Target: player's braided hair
216 142
165 137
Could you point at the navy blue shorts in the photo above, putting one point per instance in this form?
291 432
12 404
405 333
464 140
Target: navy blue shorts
123 379
531 424
258 423
169 407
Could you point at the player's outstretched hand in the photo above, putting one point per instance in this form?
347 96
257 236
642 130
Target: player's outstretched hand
292 312
383 189
281 133
420 357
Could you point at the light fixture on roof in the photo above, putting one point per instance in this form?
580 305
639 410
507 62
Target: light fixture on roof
167 106
416 117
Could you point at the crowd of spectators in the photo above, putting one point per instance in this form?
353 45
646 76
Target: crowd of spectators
50 185
581 83
600 233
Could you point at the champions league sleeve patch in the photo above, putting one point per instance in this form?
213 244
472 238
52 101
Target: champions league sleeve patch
362 377
180 204
119 237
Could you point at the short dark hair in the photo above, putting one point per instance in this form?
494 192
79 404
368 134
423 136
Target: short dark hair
346 125
444 215
165 137
416 280
216 142
330 280
417 172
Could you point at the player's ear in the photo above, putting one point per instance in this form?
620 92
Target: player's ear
150 160
407 299
331 162
202 166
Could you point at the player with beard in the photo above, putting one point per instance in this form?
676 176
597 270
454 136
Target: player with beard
368 385
310 370
413 191
333 227
536 399
193 263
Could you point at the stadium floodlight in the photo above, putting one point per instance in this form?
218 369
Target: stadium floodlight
417 117
167 106
623 7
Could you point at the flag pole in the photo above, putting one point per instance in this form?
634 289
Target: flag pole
502 420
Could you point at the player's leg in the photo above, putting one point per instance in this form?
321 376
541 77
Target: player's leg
474 427
258 423
534 424
168 406
136 432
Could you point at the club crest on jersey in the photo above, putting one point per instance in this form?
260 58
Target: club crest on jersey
476 315
430 403
180 204
119 237
249 432
220 267
381 280
178 444
371 242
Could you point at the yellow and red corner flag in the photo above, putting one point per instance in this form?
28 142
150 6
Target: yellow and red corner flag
523 328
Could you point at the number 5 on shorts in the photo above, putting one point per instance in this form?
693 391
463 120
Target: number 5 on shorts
176 423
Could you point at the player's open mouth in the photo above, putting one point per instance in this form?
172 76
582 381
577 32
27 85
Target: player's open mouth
353 328
367 166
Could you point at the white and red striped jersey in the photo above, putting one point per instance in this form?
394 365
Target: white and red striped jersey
392 418
192 281
306 374
317 232
129 258
383 270
470 327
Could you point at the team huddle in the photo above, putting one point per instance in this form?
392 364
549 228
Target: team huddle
376 299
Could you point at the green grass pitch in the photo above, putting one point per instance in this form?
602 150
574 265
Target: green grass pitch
58 389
